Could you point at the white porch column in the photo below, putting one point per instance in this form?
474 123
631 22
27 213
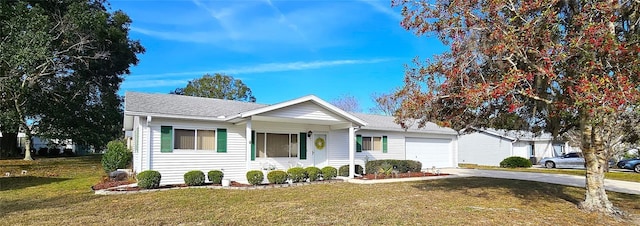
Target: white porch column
248 139
149 142
352 152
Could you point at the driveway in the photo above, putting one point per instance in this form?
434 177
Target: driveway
570 180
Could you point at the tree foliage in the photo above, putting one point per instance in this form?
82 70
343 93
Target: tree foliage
61 64
558 65
347 102
218 86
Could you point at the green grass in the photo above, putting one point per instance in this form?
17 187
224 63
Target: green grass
624 176
57 192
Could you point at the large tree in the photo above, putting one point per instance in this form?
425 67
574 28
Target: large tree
61 64
218 86
557 64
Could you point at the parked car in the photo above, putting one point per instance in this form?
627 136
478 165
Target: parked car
632 164
569 160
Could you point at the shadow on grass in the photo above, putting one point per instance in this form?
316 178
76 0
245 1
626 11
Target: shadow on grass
527 190
64 201
10 183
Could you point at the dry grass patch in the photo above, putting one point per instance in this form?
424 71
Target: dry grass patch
66 199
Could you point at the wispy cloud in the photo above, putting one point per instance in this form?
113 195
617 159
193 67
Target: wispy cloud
383 7
195 37
155 80
267 67
253 26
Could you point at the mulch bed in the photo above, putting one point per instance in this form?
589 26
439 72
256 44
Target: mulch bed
112 185
399 175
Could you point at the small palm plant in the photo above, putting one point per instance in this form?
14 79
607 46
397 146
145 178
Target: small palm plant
385 169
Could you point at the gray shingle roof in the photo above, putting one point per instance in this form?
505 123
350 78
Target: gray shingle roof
178 105
383 122
170 104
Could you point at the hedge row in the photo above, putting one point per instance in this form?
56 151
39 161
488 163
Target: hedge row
401 166
295 174
151 179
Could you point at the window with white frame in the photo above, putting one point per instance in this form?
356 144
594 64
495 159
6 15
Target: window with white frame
274 145
371 143
194 139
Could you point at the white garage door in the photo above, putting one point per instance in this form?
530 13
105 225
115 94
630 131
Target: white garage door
430 152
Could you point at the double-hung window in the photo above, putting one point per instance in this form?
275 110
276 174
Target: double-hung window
192 139
276 145
372 143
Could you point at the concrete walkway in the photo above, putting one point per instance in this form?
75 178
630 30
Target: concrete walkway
562 179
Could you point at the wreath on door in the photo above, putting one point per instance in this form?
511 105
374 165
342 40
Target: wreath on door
319 143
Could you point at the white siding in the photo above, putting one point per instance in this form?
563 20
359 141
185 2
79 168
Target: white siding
172 166
306 110
522 149
483 149
395 144
137 149
544 149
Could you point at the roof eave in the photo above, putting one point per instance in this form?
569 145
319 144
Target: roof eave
160 115
410 130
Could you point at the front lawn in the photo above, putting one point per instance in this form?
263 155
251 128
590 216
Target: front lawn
57 192
624 176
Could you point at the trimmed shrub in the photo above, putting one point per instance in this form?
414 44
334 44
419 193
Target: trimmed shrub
313 173
344 170
116 157
401 166
515 162
277 177
297 174
194 178
255 177
329 172
215 176
414 166
149 179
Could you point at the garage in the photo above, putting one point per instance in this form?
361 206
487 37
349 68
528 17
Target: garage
429 151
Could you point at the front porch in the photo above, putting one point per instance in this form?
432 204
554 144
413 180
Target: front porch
303 132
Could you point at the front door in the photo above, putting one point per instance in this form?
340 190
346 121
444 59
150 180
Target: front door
319 144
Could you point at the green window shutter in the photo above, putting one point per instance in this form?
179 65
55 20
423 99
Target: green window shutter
358 143
384 144
303 145
222 140
253 145
166 139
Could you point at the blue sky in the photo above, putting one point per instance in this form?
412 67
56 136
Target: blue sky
281 49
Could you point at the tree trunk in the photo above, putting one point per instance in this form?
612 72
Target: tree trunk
596 199
27 148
